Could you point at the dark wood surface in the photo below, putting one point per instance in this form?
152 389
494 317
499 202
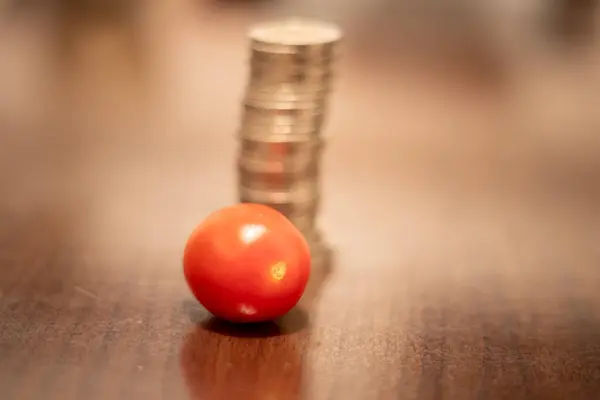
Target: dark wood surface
461 197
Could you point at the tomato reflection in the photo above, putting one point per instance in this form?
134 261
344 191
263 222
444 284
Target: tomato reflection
254 362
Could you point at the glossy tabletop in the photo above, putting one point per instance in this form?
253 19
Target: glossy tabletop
460 197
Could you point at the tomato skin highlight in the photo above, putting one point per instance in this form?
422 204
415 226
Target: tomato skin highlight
247 263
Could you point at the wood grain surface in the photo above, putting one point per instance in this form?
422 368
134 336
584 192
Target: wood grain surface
461 198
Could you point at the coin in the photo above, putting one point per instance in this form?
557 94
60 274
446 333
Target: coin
295 91
300 166
295 36
305 223
275 60
280 151
322 256
271 182
273 104
290 74
280 134
295 210
259 178
298 119
281 96
299 195
277 166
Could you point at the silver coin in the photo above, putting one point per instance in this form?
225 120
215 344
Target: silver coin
257 174
321 254
297 199
319 60
288 209
293 90
299 167
280 151
288 92
296 80
275 166
271 182
291 72
296 137
324 51
305 223
269 104
296 36
288 87
280 134
289 102
275 177
297 120
282 97
294 60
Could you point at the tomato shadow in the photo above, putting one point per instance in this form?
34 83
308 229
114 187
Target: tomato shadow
294 321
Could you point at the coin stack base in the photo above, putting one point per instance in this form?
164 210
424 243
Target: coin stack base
321 253
280 137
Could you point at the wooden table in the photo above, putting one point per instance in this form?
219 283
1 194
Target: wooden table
467 251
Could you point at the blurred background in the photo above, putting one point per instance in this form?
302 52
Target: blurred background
81 80
122 108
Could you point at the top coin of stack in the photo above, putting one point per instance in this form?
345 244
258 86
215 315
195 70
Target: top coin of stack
284 108
291 64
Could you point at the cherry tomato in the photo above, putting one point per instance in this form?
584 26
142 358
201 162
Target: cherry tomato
247 263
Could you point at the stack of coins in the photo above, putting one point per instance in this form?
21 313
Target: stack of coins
285 102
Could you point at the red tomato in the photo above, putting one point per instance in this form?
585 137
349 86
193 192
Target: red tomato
247 263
